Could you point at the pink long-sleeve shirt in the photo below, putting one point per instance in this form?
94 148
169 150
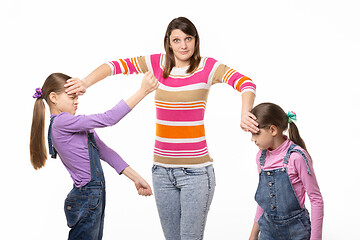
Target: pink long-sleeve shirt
301 181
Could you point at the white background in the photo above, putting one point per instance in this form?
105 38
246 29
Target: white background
303 55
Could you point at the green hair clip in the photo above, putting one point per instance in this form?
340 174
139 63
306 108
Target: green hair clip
291 116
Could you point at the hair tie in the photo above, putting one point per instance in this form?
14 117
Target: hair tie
291 116
38 93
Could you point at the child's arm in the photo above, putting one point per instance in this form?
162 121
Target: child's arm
141 185
255 232
116 162
312 189
111 117
149 84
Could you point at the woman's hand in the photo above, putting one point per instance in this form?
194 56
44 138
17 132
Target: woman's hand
75 86
248 123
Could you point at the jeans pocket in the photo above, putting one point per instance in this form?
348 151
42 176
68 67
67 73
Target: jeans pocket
195 171
72 211
305 222
95 199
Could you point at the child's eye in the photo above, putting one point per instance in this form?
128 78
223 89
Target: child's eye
255 134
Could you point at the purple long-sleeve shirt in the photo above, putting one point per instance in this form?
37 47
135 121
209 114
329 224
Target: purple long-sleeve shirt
69 137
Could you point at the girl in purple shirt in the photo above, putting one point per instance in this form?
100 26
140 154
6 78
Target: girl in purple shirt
80 149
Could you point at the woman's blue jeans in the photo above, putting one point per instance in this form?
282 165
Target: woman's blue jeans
183 197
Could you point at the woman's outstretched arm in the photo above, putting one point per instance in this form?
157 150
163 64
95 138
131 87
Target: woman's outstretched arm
77 86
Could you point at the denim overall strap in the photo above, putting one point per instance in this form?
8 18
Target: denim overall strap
52 150
291 150
85 206
262 157
95 165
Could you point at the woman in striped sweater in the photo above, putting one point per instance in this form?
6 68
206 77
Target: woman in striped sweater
183 176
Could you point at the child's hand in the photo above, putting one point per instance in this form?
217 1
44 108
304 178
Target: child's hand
143 188
149 83
141 185
255 232
75 86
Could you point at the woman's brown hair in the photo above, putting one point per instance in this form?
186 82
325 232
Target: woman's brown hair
188 28
38 154
268 114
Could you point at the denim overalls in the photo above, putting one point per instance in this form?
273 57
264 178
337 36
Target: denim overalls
283 217
84 207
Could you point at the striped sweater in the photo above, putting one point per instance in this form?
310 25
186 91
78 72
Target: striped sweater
180 106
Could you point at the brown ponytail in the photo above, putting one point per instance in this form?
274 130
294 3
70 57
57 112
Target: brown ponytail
38 154
37 138
294 136
268 114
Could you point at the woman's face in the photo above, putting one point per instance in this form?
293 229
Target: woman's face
183 46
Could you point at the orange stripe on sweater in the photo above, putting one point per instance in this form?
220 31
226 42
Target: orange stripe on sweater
165 131
241 81
181 106
126 69
228 75
199 106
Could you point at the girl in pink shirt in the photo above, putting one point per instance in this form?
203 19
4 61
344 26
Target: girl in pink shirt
285 174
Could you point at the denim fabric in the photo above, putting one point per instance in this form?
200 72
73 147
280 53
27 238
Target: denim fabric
84 210
84 207
183 197
283 217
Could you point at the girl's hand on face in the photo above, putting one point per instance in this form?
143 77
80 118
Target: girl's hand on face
75 86
248 123
143 188
149 83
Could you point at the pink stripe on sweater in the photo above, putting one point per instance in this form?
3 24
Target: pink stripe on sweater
180 146
247 85
132 68
182 155
179 82
180 115
117 68
236 76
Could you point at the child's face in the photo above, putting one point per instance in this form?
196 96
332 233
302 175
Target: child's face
264 138
67 103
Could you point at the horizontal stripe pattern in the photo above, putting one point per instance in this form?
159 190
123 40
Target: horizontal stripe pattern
180 103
